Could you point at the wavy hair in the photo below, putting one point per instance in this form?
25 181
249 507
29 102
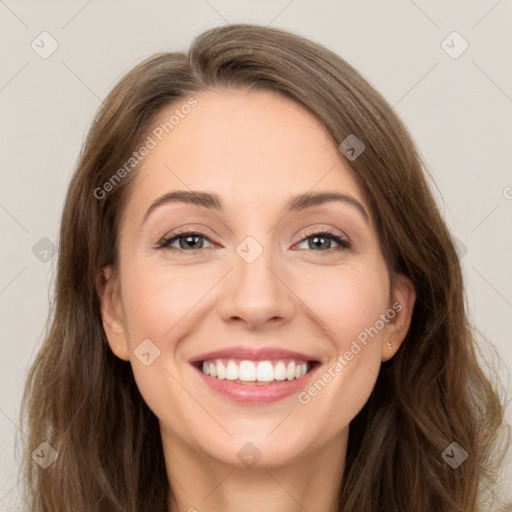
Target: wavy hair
83 400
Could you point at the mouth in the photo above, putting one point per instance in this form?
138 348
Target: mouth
255 376
254 372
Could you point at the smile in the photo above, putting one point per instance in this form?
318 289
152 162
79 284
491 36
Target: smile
255 372
255 376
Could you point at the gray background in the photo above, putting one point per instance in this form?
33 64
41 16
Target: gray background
457 109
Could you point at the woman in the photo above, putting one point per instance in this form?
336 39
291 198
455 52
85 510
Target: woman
258 304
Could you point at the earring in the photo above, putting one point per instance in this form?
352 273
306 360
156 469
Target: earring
389 345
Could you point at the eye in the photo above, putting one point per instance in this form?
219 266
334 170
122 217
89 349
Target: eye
187 241
323 240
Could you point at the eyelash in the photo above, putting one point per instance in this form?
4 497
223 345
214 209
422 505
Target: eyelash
165 242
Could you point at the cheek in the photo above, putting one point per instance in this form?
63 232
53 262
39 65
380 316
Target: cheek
157 298
350 302
163 304
347 300
159 306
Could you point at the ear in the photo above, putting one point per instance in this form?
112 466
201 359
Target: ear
399 313
112 313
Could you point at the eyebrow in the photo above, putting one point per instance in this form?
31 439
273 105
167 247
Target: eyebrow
294 204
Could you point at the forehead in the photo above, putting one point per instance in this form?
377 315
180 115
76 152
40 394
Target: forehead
253 148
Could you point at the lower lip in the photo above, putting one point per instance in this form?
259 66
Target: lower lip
256 394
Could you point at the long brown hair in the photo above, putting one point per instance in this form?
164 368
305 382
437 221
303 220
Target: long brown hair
83 400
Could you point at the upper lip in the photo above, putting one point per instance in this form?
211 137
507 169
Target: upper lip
252 353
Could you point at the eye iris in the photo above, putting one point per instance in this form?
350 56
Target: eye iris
315 244
185 242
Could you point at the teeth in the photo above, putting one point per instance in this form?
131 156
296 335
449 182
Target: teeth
280 371
221 370
247 371
290 371
231 371
255 371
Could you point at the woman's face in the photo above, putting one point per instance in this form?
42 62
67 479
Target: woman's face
255 280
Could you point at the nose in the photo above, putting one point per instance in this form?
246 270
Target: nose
257 293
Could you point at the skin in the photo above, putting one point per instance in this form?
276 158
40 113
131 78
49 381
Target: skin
255 149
